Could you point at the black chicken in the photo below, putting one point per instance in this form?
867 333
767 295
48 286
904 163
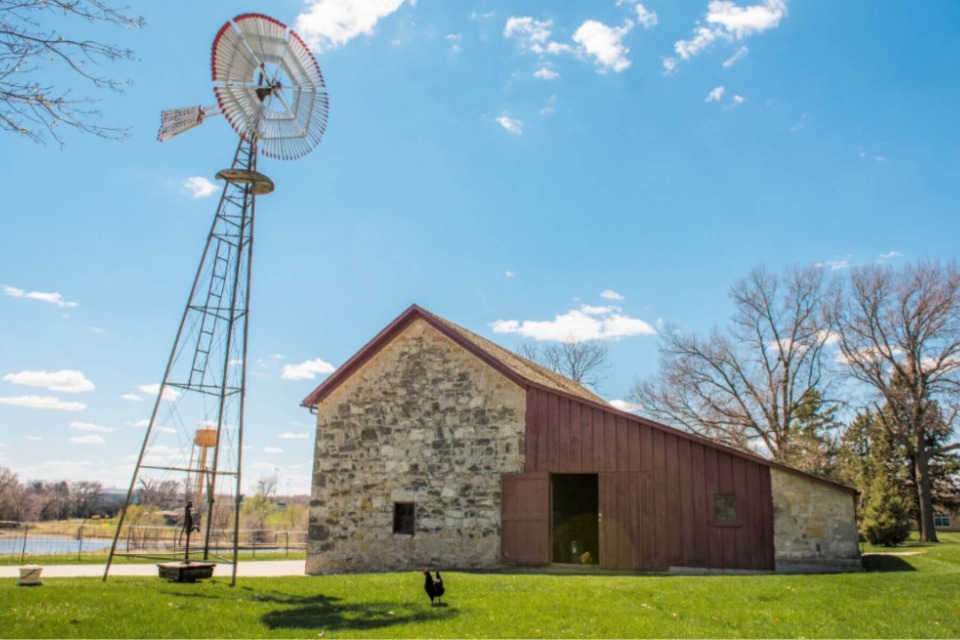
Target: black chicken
433 587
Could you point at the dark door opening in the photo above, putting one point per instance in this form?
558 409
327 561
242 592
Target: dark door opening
575 508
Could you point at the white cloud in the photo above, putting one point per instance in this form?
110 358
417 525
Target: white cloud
610 294
97 330
326 24
290 435
89 426
90 439
33 438
645 17
65 380
142 424
272 450
715 95
42 402
153 389
532 35
738 99
736 57
307 370
52 298
511 125
744 21
509 274
546 74
595 311
889 254
729 22
576 326
604 44
623 405
132 397
550 107
199 187
835 265
454 40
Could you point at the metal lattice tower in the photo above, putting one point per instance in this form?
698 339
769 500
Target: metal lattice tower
272 93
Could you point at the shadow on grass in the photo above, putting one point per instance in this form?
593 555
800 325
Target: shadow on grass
332 614
883 563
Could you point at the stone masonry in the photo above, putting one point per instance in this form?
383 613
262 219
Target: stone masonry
814 526
423 421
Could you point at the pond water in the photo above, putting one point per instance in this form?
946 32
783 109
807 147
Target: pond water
48 545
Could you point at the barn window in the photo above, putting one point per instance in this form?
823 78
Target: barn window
403 517
725 509
941 520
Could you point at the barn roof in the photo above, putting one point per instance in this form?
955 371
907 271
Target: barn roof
514 367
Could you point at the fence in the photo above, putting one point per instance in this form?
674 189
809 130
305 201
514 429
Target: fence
63 539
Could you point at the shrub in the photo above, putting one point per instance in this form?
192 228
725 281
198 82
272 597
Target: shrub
886 517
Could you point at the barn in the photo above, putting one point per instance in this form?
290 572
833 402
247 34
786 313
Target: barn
437 447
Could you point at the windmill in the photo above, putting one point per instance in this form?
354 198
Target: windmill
270 88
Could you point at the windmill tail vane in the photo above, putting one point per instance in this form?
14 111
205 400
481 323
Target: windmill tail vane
173 122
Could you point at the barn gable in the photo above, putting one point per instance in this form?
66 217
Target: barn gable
528 467
409 453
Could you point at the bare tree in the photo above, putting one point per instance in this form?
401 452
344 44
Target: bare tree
87 497
899 333
29 104
13 496
583 362
753 381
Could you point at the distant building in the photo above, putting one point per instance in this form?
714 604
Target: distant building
436 447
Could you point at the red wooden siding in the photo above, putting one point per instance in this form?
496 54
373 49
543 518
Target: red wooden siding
656 488
525 518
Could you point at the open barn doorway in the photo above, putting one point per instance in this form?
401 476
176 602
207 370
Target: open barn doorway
575 522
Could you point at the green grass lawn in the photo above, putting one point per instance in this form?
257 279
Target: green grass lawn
913 596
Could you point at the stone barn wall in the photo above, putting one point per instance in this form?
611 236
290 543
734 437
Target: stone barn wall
423 421
814 525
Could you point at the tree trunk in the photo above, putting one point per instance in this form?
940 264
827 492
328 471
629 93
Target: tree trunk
928 532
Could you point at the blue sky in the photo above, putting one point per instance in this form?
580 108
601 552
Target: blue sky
528 170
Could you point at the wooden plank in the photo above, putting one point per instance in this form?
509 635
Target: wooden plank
646 449
714 555
576 436
647 522
634 530
623 450
532 433
553 449
687 526
633 446
671 491
766 501
727 534
659 554
586 442
741 533
543 429
564 436
755 522
609 442
599 453
701 517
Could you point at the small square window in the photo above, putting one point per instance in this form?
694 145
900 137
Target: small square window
725 509
403 517
941 520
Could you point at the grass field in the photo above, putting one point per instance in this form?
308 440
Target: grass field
911 596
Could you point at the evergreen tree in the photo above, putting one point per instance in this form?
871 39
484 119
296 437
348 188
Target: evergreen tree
886 518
